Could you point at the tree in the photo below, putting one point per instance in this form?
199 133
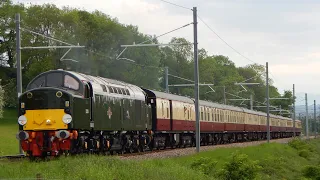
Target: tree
1 101
102 36
7 31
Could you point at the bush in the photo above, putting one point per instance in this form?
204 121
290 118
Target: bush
11 97
1 101
240 167
273 165
304 153
205 165
299 144
312 172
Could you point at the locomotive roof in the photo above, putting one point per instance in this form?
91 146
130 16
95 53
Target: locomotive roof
96 81
100 85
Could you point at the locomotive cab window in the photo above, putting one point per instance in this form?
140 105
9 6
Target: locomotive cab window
39 82
54 79
57 79
71 82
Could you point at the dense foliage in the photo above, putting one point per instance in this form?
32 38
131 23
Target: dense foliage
1 101
102 36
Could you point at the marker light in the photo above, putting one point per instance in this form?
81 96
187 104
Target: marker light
67 118
29 95
22 120
59 94
67 103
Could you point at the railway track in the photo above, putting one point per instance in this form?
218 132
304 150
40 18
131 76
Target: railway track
12 157
178 151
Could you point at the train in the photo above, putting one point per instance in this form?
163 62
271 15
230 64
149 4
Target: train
64 112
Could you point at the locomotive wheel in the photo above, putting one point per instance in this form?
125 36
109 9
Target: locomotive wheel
141 148
130 150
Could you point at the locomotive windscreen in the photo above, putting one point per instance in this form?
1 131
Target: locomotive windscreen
58 79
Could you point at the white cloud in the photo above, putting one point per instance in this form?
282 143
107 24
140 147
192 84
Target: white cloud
302 68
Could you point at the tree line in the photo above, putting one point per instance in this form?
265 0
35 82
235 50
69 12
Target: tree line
102 36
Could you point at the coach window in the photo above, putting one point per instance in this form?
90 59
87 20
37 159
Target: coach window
226 113
231 116
212 115
216 115
202 112
207 114
237 117
162 109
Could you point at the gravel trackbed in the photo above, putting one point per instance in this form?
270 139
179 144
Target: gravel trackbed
191 150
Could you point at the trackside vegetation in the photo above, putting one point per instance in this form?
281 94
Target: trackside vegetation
266 161
299 159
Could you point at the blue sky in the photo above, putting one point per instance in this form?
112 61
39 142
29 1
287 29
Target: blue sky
284 32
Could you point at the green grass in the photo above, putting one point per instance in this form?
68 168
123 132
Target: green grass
93 167
277 161
272 161
8 128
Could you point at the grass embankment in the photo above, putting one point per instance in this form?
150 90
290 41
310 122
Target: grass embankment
8 129
298 160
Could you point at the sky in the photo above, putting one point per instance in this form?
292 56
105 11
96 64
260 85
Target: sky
284 33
